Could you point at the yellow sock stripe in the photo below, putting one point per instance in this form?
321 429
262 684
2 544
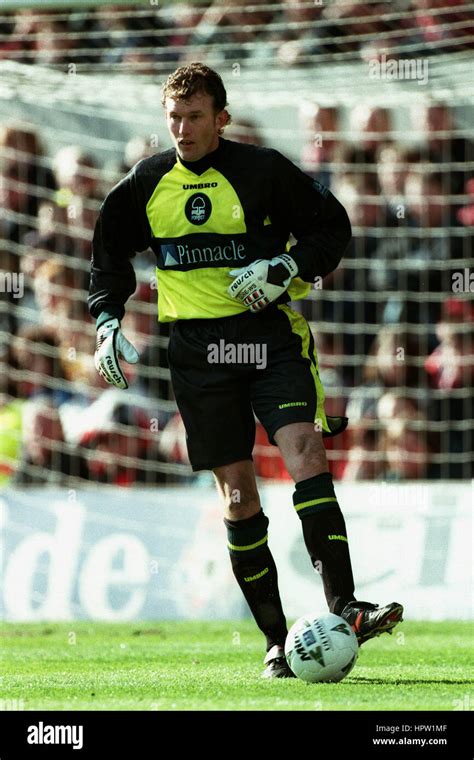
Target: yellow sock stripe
314 501
258 576
299 325
249 546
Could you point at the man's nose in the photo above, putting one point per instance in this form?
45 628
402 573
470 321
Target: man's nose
184 127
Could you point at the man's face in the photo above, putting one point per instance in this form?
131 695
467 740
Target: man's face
194 125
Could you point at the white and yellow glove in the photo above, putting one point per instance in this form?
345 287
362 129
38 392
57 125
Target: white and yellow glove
111 346
262 281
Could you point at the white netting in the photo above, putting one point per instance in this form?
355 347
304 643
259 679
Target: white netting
375 99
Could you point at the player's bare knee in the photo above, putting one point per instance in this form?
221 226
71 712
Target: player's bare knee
306 447
241 511
306 457
238 489
241 500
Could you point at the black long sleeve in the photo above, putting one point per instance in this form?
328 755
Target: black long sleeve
315 217
120 231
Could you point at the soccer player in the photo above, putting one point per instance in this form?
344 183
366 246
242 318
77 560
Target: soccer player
218 215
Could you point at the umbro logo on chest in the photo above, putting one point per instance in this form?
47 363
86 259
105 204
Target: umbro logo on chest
200 186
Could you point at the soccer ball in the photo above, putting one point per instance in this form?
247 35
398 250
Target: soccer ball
321 648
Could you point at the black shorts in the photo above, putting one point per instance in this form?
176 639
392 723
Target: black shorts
224 371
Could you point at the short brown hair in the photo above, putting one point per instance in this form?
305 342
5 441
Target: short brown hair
192 79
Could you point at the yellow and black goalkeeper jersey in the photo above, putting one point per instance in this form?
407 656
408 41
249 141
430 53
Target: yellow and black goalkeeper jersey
202 219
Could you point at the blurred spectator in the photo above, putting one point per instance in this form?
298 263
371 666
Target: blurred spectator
52 236
321 127
293 32
130 37
364 461
229 32
365 20
397 268
359 192
33 449
78 179
55 287
76 172
372 127
25 179
443 25
356 183
37 356
436 124
121 447
45 457
22 29
334 30
450 368
301 12
406 444
394 406
186 17
394 361
357 188
451 364
416 267
302 37
11 45
426 199
53 42
40 36
393 164
396 445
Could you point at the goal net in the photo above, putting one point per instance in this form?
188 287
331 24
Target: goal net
373 99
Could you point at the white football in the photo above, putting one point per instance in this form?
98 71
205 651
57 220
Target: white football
321 648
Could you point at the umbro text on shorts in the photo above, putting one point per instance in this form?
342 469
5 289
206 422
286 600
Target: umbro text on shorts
228 370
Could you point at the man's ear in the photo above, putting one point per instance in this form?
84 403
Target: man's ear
222 119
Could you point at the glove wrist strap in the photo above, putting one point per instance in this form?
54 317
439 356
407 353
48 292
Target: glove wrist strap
104 316
290 263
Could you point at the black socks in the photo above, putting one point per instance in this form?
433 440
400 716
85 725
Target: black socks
256 574
325 536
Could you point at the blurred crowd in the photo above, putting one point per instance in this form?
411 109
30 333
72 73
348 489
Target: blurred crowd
393 325
406 278
285 32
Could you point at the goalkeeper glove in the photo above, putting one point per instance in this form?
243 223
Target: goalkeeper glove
111 346
262 281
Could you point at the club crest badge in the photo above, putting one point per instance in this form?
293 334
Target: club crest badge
198 208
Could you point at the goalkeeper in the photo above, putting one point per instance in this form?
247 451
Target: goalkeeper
218 215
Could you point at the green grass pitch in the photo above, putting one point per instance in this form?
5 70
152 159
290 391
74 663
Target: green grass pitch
217 666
